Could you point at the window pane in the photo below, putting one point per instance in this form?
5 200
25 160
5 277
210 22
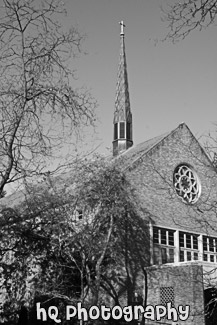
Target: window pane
181 256
115 131
211 258
171 238
129 131
195 242
204 243
157 255
155 235
163 237
122 130
205 257
181 239
188 240
164 255
188 256
211 245
195 256
171 255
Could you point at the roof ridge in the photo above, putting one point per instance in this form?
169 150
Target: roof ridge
201 146
162 137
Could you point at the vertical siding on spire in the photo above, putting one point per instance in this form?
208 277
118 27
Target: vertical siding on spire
122 115
122 100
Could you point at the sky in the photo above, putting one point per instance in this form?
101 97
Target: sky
168 83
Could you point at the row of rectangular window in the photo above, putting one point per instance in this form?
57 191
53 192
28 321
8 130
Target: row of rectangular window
186 240
188 244
209 244
163 236
185 255
210 258
163 255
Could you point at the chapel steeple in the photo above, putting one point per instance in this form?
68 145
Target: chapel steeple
122 139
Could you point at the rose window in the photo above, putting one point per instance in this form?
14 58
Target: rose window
186 183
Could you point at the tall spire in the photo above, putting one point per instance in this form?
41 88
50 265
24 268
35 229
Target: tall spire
122 139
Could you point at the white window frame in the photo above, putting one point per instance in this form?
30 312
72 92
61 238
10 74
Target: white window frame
158 246
191 249
207 251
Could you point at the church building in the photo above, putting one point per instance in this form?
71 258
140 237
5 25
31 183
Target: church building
177 183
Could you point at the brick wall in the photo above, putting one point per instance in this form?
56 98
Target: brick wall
152 176
187 283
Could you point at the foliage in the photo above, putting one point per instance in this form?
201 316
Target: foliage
62 254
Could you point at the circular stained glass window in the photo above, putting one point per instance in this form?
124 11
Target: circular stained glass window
186 183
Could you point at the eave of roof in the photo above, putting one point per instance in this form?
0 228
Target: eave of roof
133 154
130 157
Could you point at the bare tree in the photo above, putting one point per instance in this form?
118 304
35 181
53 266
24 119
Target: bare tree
85 241
187 15
39 108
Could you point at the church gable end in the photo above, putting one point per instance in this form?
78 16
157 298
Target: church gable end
161 179
176 183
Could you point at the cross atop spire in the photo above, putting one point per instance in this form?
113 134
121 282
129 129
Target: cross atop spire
122 116
122 27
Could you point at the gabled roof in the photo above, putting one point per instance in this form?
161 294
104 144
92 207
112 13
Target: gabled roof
165 211
138 151
131 158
